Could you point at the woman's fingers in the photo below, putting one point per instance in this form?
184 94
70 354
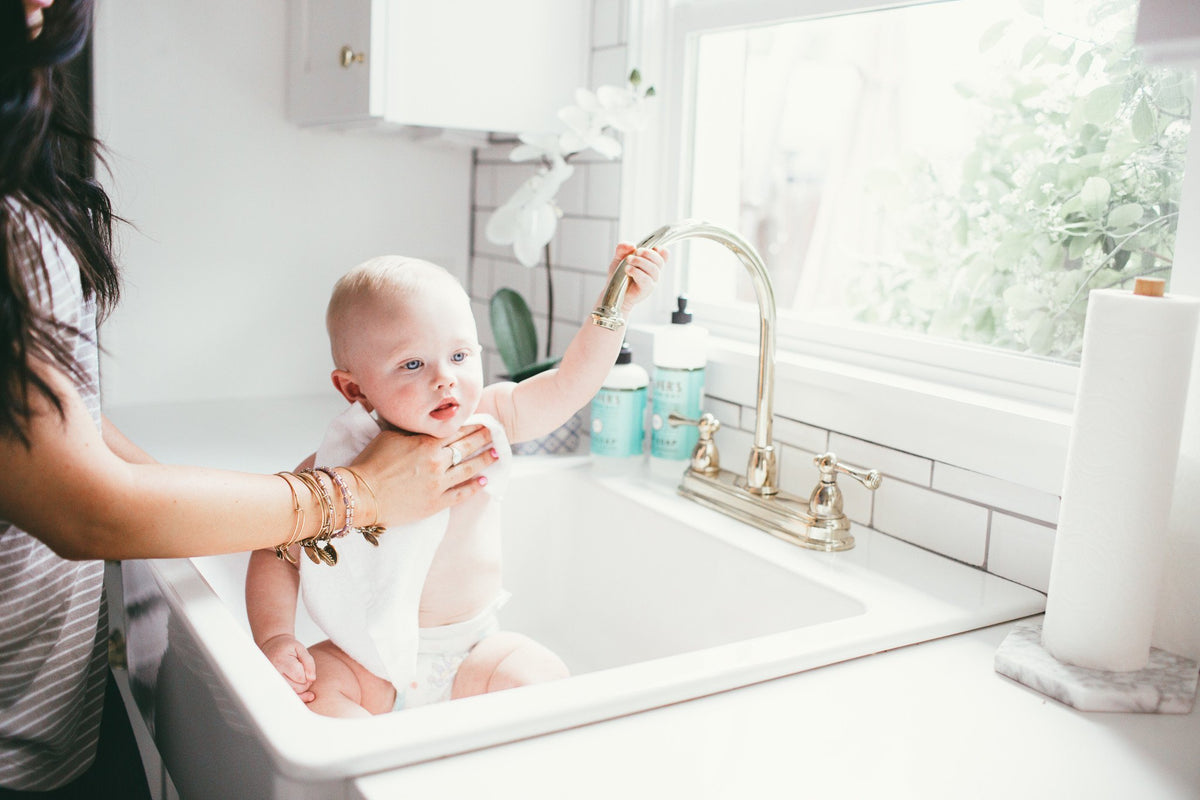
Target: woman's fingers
474 440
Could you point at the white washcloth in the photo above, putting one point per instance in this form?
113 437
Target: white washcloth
369 602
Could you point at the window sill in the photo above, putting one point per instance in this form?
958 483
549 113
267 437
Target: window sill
1014 440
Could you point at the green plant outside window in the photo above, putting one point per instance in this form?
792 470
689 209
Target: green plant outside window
965 170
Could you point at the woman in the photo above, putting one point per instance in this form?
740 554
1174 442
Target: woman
75 490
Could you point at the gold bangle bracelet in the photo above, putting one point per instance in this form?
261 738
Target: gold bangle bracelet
283 551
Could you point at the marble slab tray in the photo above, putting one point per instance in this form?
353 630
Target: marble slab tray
1167 685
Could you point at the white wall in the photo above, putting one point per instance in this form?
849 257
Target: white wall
242 220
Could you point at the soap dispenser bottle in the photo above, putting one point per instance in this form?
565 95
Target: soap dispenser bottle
679 361
619 413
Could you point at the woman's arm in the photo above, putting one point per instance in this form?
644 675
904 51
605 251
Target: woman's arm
121 446
69 489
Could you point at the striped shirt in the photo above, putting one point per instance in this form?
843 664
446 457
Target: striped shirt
53 627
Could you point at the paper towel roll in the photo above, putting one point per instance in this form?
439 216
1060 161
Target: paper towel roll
1121 460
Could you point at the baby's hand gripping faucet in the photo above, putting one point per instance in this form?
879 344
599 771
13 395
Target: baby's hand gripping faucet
755 498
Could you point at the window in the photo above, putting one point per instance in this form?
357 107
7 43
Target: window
941 183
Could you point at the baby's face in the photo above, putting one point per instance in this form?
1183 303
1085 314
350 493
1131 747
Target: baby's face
418 361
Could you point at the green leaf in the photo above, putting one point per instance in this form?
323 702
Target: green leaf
533 369
993 35
1094 195
1084 63
513 330
1101 105
1125 215
1144 123
1023 298
1078 245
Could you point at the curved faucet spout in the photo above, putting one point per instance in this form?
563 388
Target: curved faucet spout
762 470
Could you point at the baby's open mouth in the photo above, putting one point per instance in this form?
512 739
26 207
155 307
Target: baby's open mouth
445 411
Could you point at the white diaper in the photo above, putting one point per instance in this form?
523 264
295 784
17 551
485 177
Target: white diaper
441 651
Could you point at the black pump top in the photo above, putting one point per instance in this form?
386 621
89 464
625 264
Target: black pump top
626 354
681 316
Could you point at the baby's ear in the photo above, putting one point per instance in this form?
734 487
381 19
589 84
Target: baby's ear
344 382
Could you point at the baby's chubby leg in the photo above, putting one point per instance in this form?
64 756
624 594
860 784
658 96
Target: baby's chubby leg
506 660
344 688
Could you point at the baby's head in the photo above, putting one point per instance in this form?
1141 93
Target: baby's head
405 344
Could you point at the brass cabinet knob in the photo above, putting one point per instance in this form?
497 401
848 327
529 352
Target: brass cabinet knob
348 56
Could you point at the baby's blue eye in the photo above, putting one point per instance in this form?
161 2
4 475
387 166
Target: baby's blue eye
416 363
459 357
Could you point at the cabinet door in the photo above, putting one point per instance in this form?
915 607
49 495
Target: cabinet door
333 60
485 64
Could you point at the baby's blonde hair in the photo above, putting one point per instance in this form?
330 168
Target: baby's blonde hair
380 277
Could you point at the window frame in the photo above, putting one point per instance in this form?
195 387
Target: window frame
1009 413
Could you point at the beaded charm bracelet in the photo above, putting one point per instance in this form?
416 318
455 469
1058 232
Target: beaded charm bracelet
318 548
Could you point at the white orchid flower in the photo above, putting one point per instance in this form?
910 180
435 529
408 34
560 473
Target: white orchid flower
535 146
528 219
586 129
619 107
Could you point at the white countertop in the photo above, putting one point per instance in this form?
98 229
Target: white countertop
929 721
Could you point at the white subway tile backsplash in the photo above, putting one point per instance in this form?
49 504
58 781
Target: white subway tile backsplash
858 501
568 296
995 492
480 309
521 279
610 66
604 189
607 23
728 414
508 178
734 445
1020 550
480 285
593 288
585 243
791 432
796 473
895 463
485 185
572 195
494 153
935 521
482 246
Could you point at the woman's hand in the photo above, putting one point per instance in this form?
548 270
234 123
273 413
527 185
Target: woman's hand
643 268
415 477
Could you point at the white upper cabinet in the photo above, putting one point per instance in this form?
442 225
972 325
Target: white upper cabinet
479 65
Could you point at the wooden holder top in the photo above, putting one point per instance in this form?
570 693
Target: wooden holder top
1149 287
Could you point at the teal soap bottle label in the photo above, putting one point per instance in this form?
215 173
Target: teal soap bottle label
617 422
679 391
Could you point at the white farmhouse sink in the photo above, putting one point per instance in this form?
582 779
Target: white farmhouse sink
649 598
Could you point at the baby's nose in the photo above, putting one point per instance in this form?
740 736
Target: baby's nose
444 377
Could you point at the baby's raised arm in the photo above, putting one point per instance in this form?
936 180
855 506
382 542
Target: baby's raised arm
538 405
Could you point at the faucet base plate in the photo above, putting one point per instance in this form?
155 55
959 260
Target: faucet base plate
783 515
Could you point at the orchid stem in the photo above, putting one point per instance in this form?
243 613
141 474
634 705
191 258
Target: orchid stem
549 302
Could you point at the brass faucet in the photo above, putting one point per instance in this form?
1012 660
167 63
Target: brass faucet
819 523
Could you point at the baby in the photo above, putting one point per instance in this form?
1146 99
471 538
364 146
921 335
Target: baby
406 354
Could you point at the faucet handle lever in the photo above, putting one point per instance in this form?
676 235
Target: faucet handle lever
829 466
705 458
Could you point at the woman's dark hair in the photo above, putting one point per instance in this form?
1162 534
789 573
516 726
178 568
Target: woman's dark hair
46 157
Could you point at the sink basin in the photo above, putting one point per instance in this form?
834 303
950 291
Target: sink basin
649 598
